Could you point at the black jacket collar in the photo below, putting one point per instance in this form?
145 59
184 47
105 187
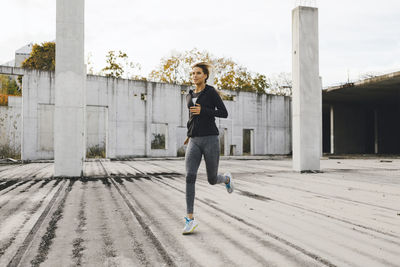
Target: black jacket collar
202 91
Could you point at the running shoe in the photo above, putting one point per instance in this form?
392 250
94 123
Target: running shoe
190 225
229 186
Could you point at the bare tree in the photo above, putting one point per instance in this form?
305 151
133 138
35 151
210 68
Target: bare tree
281 84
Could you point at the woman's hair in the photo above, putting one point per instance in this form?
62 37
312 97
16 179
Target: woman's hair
206 67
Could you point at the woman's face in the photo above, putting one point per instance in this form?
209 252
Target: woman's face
198 76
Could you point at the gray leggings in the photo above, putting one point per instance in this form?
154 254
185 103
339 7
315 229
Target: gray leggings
198 146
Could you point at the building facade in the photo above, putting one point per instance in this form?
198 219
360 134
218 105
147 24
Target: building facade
127 118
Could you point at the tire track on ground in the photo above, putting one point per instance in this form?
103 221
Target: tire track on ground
79 243
163 167
246 250
276 237
10 167
264 198
21 180
281 250
136 245
376 233
50 234
18 204
5 197
108 248
368 245
160 248
30 185
325 195
27 171
31 235
26 189
149 232
11 185
330 180
363 237
145 174
8 243
177 247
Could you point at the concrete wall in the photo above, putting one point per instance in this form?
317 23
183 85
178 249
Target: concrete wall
38 111
127 114
10 127
96 127
136 111
267 115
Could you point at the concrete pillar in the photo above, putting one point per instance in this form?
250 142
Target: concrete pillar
148 118
321 152
376 131
226 142
69 116
252 142
307 93
332 133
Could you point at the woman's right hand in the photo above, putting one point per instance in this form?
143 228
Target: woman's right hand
186 141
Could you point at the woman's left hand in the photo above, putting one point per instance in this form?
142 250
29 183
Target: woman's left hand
195 110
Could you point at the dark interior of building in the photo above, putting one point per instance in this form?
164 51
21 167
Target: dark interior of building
363 117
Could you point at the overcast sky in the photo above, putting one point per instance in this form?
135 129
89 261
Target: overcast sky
355 37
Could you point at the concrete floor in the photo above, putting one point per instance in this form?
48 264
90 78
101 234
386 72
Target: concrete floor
130 213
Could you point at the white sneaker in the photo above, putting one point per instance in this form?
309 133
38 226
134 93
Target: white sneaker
190 225
229 186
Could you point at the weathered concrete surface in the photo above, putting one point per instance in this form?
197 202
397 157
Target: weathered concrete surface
130 213
307 91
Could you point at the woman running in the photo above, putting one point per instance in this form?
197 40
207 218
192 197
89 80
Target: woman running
204 104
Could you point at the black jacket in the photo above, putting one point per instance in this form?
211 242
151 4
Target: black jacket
211 106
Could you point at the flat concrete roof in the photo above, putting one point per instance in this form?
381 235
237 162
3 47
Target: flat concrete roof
380 89
130 213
